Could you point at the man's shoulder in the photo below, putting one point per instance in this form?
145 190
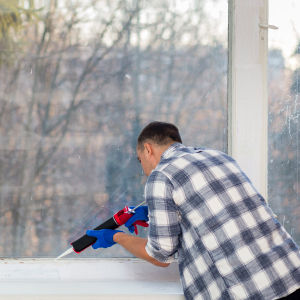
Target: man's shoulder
185 162
182 156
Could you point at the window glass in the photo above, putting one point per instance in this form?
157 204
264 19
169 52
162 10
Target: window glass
284 113
79 80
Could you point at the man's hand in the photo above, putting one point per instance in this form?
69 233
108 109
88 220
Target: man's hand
140 217
104 237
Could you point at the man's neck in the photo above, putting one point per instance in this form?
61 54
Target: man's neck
161 150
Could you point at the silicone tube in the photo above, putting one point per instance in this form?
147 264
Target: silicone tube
86 241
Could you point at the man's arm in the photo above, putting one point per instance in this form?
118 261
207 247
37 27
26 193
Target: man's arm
136 246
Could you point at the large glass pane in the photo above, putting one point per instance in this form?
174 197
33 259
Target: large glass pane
284 113
79 80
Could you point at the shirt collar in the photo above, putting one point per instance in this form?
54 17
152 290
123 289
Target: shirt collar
167 153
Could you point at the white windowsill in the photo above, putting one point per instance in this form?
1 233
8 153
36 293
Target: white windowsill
45 279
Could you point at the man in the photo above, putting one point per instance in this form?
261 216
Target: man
201 205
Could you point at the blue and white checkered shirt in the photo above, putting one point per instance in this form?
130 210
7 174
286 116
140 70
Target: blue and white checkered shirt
230 246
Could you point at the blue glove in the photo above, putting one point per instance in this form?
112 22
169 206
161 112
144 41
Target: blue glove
140 214
104 237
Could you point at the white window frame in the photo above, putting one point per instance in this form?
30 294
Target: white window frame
248 89
247 143
87 279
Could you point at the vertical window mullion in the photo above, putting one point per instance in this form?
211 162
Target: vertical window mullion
247 89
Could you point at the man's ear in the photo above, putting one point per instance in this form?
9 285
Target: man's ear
148 149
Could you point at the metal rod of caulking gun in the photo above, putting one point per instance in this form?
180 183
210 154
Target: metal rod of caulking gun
131 210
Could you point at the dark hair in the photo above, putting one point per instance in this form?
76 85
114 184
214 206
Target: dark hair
160 133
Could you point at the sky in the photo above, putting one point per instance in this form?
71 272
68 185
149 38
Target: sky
284 14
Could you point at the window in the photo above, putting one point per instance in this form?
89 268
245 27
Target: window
79 80
284 113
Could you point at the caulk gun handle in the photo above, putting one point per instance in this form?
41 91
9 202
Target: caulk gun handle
86 241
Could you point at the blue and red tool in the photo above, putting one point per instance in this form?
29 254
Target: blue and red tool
117 220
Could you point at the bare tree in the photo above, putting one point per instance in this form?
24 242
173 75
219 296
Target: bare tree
88 79
284 143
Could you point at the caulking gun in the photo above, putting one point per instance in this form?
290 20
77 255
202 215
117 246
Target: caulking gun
118 219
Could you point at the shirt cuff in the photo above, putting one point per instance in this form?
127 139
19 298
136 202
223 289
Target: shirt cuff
159 254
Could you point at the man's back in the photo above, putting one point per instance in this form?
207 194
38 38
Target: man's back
230 245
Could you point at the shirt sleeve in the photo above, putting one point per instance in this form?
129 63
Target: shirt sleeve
164 227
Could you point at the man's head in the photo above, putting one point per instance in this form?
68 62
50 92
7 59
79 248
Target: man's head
154 139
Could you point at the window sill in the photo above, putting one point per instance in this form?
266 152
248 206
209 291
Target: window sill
45 279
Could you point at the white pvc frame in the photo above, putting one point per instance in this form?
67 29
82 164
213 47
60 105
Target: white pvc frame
247 143
248 89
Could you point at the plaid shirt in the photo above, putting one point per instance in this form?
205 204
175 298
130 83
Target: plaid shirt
230 246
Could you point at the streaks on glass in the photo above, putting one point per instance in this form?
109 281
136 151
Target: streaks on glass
284 111
79 84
